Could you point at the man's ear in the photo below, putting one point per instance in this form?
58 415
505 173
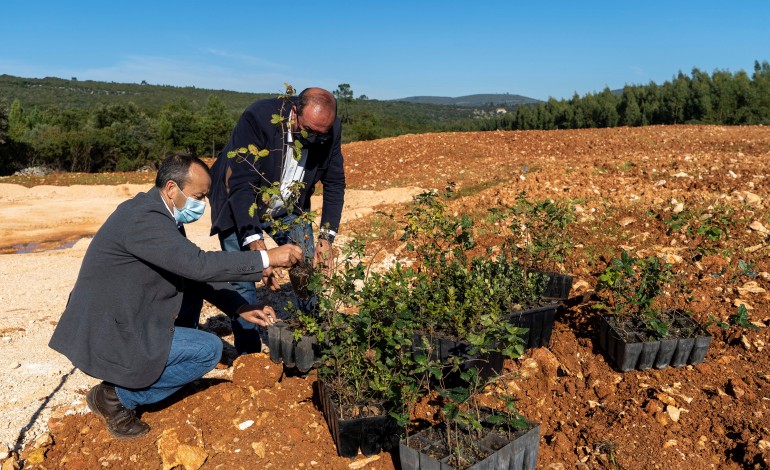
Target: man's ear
169 190
294 124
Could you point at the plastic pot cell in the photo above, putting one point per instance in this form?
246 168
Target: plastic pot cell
539 323
630 349
365 428
302 354
427 450
558 286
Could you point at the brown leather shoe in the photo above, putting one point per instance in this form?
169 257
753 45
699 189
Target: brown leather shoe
121 422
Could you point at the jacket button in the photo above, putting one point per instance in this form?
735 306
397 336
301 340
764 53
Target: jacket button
171 329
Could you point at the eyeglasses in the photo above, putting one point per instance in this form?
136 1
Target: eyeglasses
312 137
198 197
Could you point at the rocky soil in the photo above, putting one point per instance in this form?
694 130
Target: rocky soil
627 186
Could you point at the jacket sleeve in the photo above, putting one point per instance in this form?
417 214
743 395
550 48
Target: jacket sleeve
154 239
334 184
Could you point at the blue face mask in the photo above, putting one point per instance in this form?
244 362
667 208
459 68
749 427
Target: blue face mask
192 210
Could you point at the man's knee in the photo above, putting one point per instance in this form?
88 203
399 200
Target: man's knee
211 350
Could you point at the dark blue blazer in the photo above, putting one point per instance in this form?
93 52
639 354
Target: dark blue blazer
232 183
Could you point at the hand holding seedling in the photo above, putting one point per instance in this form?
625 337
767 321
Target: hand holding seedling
324 255
284 256
261 316
271 276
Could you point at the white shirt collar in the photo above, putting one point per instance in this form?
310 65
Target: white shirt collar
289 136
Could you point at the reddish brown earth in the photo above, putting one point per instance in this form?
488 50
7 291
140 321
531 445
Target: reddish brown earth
625 184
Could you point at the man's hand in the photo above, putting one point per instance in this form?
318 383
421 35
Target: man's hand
257 245
324 254
261 316
284 256
271 276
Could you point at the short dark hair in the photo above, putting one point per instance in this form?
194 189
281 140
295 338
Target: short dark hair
316 96
176 168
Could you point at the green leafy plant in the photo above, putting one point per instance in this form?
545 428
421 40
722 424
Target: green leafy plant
707 228
739 319
372 350
456 294
634 287
745 269
540 237
464 422
368 352
459 416
270 192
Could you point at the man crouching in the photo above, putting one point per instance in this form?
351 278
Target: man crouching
139 277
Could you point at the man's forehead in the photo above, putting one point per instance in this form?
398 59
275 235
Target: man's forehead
198 178
318 118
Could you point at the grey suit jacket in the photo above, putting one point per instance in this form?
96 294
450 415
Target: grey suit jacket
119 320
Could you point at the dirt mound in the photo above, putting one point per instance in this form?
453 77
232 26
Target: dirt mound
259 418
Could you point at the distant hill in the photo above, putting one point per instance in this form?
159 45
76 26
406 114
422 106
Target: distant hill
82 94
58 115
474 101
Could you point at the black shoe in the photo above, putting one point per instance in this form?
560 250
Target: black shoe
121 422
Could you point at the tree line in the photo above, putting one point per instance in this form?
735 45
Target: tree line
121 135
112 133
720 98
109 137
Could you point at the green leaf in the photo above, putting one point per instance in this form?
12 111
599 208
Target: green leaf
495 419
720 273
276 119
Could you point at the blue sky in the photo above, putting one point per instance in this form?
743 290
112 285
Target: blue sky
384 49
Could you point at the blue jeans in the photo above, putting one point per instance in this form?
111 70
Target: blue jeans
246 335
193 353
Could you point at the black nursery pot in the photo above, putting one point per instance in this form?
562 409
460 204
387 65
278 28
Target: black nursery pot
539 323
368 434
425 451
558 286
302 354
630 349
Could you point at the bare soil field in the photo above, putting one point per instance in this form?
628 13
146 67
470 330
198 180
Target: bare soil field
626 185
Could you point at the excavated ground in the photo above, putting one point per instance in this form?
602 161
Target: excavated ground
625 184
